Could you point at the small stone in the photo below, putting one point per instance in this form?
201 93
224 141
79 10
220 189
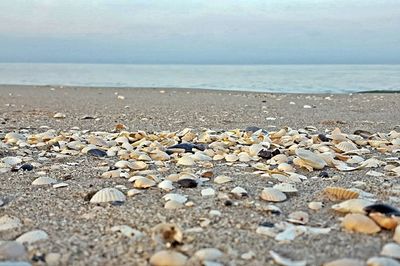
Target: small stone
207 192
214 213
32 236
59 115
53 259
248 255
209 254
97 153
168 258
10 250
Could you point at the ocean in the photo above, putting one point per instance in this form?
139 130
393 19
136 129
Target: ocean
261 78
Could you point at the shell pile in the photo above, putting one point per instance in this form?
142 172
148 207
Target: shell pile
170 163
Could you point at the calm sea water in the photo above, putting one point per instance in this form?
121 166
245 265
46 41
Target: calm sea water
264 78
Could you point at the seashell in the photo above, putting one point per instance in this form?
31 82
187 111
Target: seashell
144 182
285 261
254 149
381 261
32 237
303 164
272 194
111 174
108 195
43 180
339 193
208 254
346 146
298 217
185 161
384 221
132 192
127 231
167 233
175 197
11 161
218 157
207 192
172 205
286 187
261 166
239 192
59 116
311 159
166 185
221 179
360 223
60 185
285 167
168 258
138 165
391 250
345 262
231 157
352 206
9 222
201 156
159 155
279 159
396 235
315 205
244 157
11 250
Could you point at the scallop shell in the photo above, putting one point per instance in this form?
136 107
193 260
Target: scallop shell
108 195
273 195
391 250
32 236
185 161
338 193
352 206
346 146
311 158
144 182
43 180
221 179
286 187
345 262
360 223
168 258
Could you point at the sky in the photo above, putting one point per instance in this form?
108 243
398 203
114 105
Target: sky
201 31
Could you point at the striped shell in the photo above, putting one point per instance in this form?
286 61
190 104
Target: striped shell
272 194
108 195
144 182
43 180
346 146
360 223
338 193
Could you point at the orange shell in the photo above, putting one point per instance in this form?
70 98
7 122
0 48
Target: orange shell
384 221
338 193
360 223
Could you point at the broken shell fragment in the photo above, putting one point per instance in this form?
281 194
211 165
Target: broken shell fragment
352 205
167 233
286 187
338 193
168 258
359 223
273 195
391 250
208 254
108 195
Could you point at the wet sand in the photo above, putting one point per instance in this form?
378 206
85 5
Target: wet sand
80 232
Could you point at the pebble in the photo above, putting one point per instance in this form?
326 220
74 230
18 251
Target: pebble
32 237
207 192
209 254
10 250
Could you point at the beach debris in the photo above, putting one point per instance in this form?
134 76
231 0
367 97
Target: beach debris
339 193
32 237
356 222
168 258
108 195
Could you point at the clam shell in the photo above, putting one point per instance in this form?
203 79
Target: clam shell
32 236
221 179
345 262
352 205
168 258
208 254
231 157
339 193
144 182
175 197
108 195
285 167
391 250
360 223
43 180
166 185
185 161
286 187
311 158
315 205
239 192
273 195
298 217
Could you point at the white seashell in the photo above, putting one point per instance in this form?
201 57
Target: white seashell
244 157
166 185
221 179
168 258
239 192
9 222
207 192
108 195
352 205
111 174
32 236
138 165
285 167
132 192
285 261
267 231
59 115
172 205
346 146
60 185
315 205
381 261
311 158
43 180
11 161
298 217
144 182
286 187
122 164
185 161
201 156
127 231
175 197
391 250
231 157
272 194
209 254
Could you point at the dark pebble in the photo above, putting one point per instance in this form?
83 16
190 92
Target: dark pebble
323 138
382 208
267 224
26 167
323 174
228 203
97 153
188 147
187 183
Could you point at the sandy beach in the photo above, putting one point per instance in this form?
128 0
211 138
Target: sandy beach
80 232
